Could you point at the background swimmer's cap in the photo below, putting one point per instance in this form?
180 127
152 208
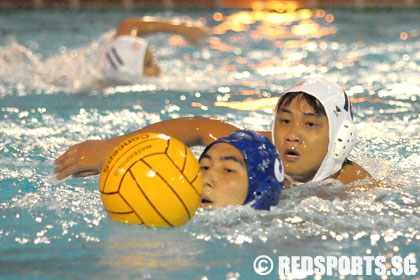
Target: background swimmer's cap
342 131
124 59
263 165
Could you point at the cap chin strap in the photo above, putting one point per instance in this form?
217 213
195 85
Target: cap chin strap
291 180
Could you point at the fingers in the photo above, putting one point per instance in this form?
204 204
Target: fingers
66 168
63 169
86 173
66 155
81 160
63 172
73 170
67 163
64 162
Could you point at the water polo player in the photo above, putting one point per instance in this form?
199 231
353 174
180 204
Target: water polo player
314 133
311 152
241 168
129 57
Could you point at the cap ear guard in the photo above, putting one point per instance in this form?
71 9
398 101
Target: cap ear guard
267 195
345 140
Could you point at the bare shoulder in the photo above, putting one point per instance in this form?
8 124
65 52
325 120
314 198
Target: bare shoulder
352 172
360 180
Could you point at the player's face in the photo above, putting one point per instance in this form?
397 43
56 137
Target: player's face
301 137
225 177
150 68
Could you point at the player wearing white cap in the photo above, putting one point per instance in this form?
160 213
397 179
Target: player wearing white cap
313 131
128 57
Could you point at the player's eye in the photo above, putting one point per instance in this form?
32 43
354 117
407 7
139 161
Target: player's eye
229 170
204 167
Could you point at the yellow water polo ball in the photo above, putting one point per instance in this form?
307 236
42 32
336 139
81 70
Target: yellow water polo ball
151 179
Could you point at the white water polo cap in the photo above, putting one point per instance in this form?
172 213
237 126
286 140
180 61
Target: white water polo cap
124 58
342 131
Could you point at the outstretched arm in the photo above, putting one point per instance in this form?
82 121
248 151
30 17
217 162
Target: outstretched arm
87 158
193 32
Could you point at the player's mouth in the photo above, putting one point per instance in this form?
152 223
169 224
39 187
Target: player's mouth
205 202
290 155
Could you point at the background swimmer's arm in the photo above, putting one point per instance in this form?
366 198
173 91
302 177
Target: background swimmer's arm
87 158
193 32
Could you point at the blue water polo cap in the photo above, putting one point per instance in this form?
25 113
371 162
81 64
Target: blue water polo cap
263 165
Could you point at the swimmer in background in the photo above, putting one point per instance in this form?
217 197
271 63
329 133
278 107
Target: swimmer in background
129 57
121 58
313 131
242 168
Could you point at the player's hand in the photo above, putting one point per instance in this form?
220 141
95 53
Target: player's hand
83 159
195 34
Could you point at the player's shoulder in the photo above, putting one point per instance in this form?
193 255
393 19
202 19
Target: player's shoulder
351 172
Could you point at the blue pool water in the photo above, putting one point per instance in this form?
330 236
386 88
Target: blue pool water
50 100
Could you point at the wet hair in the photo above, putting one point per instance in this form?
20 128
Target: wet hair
286 99
347 162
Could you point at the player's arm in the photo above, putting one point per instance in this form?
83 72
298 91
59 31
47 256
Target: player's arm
193 32
87 158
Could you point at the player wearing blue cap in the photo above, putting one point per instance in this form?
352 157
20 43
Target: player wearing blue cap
242 168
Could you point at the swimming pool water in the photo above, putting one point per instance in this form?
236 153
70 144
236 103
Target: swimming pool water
50 100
